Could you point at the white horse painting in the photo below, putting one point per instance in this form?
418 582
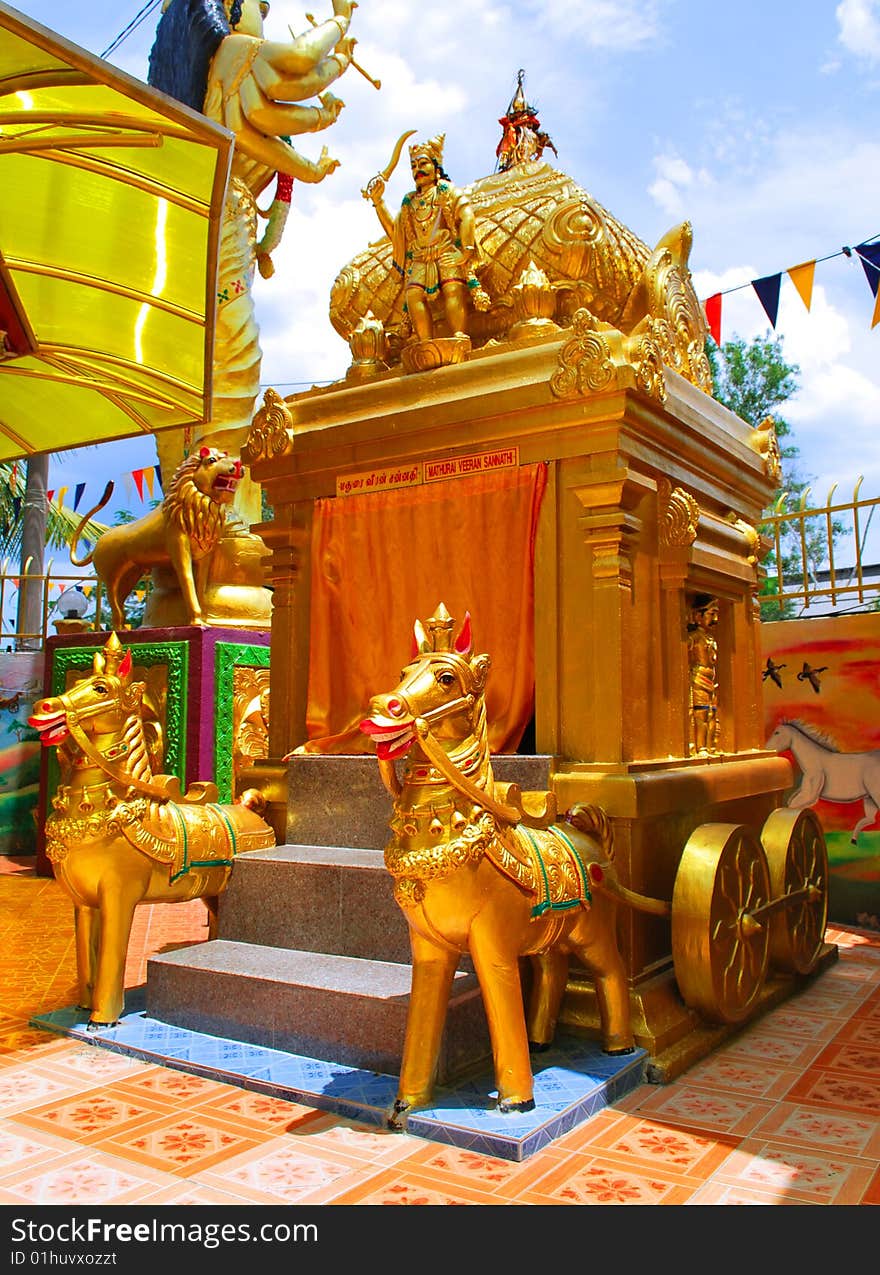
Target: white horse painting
828 773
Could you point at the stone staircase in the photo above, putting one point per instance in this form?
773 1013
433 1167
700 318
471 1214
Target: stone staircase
312 954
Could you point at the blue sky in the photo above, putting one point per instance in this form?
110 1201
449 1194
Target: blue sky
754 120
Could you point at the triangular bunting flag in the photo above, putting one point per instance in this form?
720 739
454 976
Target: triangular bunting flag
876 318
148 479
802 278
16 506
869 255
78 495
87 589
768 294
138 476
712 306
49 495
158 472
128 484
62 492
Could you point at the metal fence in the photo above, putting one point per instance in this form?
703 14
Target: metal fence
815 562
35 605
817 555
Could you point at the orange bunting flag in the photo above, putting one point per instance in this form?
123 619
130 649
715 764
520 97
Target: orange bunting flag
62 492
802 278
138 476
149 475
87 589
876 319
712 306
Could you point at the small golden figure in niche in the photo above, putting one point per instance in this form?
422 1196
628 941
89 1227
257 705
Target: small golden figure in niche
703 665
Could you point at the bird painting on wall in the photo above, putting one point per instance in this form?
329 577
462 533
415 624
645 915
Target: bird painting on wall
772 671
811 675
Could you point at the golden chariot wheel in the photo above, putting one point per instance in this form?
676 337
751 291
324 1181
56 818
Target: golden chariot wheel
720 951
794 843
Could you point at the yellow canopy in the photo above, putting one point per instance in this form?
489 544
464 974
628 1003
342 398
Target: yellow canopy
111 196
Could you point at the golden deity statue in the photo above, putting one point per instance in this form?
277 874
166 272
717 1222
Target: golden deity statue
526 224
703 665
212 55
434 245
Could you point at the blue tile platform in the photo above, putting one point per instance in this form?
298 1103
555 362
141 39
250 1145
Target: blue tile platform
573 1080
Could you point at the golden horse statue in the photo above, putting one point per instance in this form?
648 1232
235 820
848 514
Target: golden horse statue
478 868
120 835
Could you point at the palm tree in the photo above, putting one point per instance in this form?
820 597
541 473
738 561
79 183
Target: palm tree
27 536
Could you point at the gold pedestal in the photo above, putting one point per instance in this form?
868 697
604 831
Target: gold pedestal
236 596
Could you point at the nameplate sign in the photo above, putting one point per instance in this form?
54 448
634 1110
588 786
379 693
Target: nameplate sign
461 466
388 479
429 471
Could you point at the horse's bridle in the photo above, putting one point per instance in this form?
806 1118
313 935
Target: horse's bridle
166 790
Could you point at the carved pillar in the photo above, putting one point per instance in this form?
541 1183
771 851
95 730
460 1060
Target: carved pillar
600 530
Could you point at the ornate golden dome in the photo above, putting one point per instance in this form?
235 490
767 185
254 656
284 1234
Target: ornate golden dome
532 216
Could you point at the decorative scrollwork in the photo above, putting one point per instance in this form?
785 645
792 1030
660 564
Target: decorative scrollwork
679 515
766 444
585 361
649 368
271 431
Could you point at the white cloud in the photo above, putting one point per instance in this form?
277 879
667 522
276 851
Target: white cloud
859 28
675 177
616 25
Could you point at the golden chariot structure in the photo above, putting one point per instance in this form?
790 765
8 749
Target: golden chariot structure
583 369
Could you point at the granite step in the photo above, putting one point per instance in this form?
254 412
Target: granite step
337 800
336 1008
335 899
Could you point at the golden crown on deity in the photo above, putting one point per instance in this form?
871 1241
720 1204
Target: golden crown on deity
433 148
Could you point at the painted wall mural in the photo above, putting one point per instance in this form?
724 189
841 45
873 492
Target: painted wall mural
821 683
21 683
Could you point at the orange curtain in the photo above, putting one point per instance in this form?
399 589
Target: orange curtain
383 560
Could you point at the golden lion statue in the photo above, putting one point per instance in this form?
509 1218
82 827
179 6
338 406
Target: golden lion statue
183 532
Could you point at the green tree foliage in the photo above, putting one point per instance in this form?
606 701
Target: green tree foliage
60 523
754 380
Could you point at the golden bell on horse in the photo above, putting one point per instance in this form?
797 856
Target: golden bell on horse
477 871
120 835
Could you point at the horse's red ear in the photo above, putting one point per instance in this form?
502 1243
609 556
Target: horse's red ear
464 642
125 664
204 451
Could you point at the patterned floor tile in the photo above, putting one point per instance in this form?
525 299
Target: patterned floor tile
180 1143
843 1090
399 1187
652 1144
84 1177
861 1031
836 1131
779 1115
858 1058
92 1116
456 1167
739 1073
375 1145
683 1104
604 1181
718 1193
286 1170
811 1175
23 1148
